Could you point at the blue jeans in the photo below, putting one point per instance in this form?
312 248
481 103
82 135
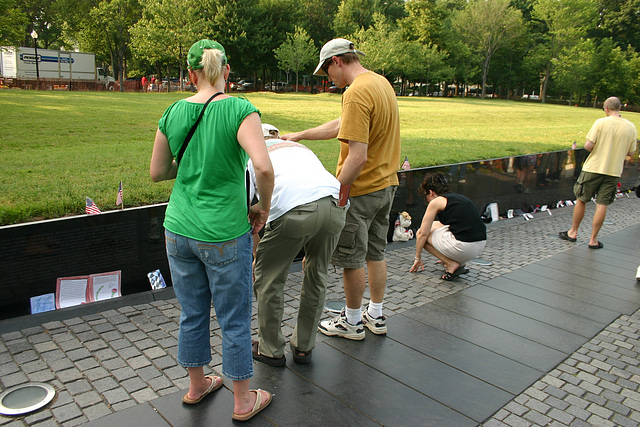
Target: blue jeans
202 272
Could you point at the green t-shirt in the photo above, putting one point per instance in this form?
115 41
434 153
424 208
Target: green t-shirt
209 199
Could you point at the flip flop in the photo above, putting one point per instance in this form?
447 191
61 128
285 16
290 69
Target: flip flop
450 276
301 357
598 246
271 361
216 383
565 236
259 406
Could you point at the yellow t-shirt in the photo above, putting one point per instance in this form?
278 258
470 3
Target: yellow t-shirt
370 115
613 138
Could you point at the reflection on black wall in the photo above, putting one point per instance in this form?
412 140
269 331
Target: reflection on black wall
34 255
522 182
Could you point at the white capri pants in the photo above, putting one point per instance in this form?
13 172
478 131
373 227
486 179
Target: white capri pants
445 242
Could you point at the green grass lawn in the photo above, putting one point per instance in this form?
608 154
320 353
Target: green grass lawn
58 147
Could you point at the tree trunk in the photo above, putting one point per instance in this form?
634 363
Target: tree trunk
545 83
485 73
168 80
121 70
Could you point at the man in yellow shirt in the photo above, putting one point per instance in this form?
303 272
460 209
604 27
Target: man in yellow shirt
610 140
369 134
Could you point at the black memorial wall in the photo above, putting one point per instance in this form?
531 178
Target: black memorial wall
34 255
519 183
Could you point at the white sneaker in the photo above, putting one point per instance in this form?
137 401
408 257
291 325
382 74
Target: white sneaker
638 274
339 327
378 325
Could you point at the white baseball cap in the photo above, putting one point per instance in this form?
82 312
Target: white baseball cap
333 48
267 129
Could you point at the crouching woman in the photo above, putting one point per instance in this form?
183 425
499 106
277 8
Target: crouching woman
451 228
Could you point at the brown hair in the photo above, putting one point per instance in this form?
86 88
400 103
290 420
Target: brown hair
350 57
435 182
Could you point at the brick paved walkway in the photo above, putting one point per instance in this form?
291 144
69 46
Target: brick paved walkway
109 361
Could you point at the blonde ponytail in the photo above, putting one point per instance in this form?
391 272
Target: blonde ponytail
213 63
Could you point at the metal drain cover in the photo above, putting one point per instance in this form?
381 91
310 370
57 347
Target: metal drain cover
480 261
334 305
25 398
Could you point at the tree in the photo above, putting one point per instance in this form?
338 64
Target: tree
488 25
296 53
379 43
612 72
353 15
572 69
566 22
317 18
280 16
166 31
39 16
634 65
620 20
428 20
12 23
106 32
236 24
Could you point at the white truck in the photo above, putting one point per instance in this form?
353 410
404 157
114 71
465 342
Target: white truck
20 63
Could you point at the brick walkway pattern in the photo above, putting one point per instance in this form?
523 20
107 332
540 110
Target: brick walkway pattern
109 361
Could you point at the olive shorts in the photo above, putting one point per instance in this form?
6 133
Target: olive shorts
364 236
603 187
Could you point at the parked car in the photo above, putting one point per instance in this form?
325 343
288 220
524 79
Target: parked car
242 85
279 87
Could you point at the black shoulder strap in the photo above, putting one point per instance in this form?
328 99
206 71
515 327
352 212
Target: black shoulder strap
193 129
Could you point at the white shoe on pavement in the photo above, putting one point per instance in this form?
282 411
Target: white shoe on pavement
376 325
339 327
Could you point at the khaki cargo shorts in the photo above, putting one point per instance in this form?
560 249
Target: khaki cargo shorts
603 187
364 236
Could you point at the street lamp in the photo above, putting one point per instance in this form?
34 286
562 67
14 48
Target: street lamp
34 34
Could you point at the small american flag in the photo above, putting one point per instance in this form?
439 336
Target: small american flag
405 164
119 197
91 207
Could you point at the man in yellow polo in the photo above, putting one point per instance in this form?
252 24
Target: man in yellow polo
610 140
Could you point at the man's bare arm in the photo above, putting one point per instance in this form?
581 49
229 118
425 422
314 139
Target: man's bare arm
328 130
353 164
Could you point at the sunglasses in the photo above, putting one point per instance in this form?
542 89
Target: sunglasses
325 66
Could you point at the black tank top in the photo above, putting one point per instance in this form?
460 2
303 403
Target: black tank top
463 218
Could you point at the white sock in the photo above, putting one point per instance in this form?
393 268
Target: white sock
375 309
354 315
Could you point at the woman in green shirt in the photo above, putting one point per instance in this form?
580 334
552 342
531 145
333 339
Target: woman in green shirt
207 223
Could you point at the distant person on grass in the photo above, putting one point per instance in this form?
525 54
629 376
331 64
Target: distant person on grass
207 232
369 134
451 228
305 214
610 140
